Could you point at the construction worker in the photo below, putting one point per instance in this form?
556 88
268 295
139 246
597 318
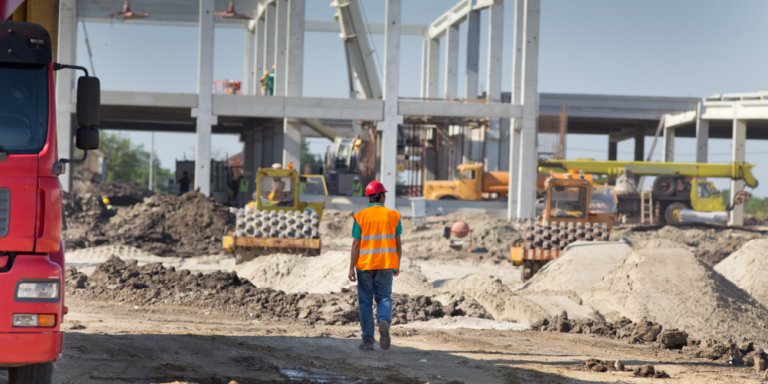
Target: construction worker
242 192
184 183
375 260
357 187
268 82
357 149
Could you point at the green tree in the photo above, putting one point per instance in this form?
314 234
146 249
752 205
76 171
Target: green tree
129 162
309 158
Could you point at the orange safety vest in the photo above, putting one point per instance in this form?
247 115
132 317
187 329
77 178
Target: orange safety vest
378 246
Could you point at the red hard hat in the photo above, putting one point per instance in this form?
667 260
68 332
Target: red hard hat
374 187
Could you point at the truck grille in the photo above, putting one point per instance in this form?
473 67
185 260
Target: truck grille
5 211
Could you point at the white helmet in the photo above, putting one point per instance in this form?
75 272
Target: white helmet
357 178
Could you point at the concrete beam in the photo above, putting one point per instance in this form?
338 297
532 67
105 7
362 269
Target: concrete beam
281 47
259 68
372 28
155 99
515 125
495 50
65 102
526 192
433 68
389 126
270 33
353 33
702 137
738 155
639 147
455 16
739 110
668 154
294 81
298 107
249 66
678 119
473 55
450 87
458 109
205 119
616 106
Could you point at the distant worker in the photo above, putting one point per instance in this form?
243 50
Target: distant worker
263 81
184 183
374 260
277 190
242 191
357 187
268 81
357 148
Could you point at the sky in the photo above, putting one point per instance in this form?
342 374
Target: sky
690 48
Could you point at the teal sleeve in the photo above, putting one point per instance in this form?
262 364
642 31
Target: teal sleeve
357 232
399 229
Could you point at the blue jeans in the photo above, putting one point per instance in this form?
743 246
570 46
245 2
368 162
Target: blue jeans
377 282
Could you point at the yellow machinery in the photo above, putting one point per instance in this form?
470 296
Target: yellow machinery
284 218
471 186
677 186
574 210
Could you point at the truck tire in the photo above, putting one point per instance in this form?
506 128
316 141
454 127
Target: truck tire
31 374
672 213
665 185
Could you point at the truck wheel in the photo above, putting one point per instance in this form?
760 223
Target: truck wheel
665 185
31 374
672 213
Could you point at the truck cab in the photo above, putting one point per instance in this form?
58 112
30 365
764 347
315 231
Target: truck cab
31 248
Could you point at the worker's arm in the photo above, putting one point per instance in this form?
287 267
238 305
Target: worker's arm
354 255
399 254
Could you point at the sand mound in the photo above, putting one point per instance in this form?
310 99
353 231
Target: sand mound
579 268
672 287
748 268
467 322
322 274
709 245
486 297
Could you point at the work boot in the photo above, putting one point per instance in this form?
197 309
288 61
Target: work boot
384 339
366 345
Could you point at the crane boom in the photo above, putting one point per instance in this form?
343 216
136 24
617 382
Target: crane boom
736 171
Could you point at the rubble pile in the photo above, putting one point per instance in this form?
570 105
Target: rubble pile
153 284
163 225
120 194
649 332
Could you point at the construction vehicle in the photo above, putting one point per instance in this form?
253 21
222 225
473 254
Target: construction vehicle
284 218
474 184
678 186
221 177
575 209
31 247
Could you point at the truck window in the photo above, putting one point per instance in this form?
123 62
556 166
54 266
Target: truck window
312 190
23 107
276 191
703 191
468 175
568 201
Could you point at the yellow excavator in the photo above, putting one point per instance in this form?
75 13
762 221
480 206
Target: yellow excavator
284 217
678 187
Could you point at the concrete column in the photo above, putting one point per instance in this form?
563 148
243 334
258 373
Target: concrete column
738 155
250 59
248 155
257 150
613 150
495 50
515 124
270 23
205 119
526 192
278 140
281 46
639 147
451 73
433 68
65 80
294 81
388 126
466 151
267 145
473 55
702 137
258 56
504 145
424 65
669 145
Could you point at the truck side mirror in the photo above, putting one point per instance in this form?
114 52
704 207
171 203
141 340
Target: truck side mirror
88 101
87 138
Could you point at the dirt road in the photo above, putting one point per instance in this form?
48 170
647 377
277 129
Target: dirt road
111 343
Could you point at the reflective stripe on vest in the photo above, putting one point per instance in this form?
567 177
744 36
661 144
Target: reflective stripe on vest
378 242
243 185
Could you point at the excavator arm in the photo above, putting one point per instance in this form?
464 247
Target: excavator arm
736 171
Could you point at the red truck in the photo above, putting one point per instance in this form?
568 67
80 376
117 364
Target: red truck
31 248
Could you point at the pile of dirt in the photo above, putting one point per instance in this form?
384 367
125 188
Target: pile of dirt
121 194
748 268
580 267
153 284
649 332
84 216
671 286
710 245
163 225
490 236
326 273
